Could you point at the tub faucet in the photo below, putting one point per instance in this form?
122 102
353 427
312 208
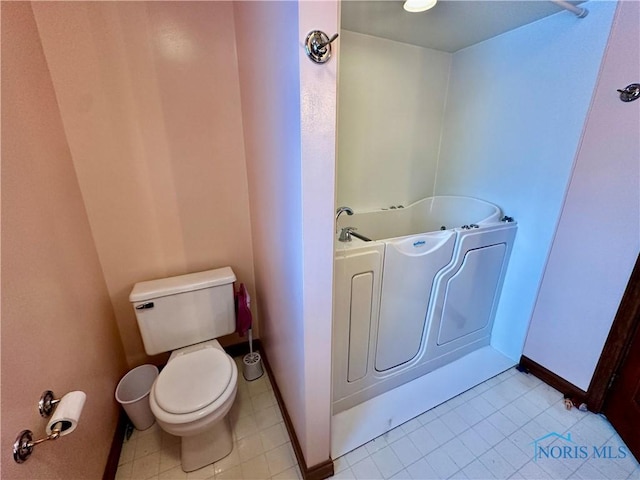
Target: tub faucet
345 234
339 212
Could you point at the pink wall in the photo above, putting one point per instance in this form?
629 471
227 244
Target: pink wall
150 102
58 326
598 236
148 98
288 107
272 143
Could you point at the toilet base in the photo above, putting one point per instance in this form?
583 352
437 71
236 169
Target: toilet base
200 450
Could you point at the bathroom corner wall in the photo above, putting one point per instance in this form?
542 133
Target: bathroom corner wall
150 102
270 87
511 137
288 106
388 147
58 325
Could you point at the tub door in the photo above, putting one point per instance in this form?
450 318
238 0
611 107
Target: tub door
466 293
472 292
356 300
410 265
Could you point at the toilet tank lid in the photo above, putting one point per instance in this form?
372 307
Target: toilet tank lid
182 283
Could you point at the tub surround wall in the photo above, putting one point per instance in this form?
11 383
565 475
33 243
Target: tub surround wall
392 99
532 89
150 102
586 274
58 325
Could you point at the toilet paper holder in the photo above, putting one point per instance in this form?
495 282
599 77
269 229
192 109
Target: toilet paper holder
47 403
24 444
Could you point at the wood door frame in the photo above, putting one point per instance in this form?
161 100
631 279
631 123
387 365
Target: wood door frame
615 350
625 323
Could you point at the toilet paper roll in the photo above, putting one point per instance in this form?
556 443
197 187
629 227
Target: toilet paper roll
67 412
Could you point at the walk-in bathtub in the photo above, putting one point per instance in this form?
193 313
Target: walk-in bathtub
420 294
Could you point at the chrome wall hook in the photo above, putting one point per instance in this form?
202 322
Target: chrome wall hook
318 46
630 92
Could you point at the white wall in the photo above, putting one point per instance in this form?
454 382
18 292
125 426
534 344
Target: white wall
288 110
598 237
515 113
318 93
391 106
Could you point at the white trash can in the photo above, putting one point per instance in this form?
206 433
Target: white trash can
132 393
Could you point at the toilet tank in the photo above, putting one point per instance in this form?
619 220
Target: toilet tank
179 311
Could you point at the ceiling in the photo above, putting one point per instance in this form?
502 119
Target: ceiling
449 26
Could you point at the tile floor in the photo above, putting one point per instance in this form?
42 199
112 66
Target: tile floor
485 433
488 433
261 445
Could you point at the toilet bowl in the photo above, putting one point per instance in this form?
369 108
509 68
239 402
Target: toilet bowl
191 399
193 394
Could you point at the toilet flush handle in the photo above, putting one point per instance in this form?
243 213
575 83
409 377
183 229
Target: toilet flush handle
144 306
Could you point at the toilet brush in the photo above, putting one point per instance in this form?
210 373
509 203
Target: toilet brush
251 363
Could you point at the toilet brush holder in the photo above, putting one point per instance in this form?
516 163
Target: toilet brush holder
252 366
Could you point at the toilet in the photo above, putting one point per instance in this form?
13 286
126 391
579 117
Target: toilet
193 394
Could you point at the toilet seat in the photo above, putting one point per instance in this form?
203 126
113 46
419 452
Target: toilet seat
193 423
193 380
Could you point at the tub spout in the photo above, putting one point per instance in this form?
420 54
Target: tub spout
339 212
